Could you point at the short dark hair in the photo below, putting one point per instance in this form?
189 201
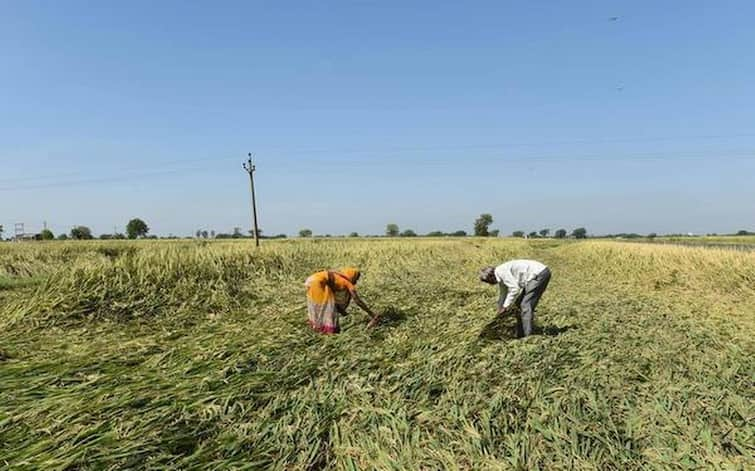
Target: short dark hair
486 273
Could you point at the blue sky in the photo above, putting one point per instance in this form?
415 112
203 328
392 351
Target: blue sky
425 114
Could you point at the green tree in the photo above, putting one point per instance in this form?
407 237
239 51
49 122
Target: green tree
354 234
481 225
532 235
63 237
391 230
494 233
435 234
517 234
46 235
652 235
579 233
561 234
743 233
459 234
136 228
305 233
81 233
408 233
544 232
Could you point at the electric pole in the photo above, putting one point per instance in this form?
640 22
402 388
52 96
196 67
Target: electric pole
249 167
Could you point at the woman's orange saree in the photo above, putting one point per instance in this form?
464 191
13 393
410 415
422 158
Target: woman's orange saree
327 290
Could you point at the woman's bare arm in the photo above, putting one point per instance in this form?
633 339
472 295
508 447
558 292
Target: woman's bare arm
365 308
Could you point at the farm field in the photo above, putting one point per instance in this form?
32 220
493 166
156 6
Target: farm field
196 355
742 242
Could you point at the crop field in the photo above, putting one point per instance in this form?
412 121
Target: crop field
190 355
731 242
712 240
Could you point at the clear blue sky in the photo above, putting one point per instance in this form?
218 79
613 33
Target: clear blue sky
545 114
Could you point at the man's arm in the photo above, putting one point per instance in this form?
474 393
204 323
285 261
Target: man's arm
502 296
513 291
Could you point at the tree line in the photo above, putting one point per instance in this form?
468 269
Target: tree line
135 229
480 228
578 233
138 229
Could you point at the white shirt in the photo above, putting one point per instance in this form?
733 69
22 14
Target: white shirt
513 276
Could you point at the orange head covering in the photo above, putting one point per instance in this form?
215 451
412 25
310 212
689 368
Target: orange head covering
351 273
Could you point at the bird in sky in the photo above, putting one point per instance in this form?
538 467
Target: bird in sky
614 18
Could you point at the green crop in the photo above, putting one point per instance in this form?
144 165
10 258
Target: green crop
184 355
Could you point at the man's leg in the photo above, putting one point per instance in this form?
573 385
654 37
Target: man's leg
532 294
526 316
518 315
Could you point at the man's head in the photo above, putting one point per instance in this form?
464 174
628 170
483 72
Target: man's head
487 275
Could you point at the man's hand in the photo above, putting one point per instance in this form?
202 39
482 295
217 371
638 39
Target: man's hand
502 311
373 322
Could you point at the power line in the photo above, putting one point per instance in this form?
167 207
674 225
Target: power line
509 145
575 158
111 179
597 157
120 169
399 149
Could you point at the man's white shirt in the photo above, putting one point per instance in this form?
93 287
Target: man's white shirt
513 276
